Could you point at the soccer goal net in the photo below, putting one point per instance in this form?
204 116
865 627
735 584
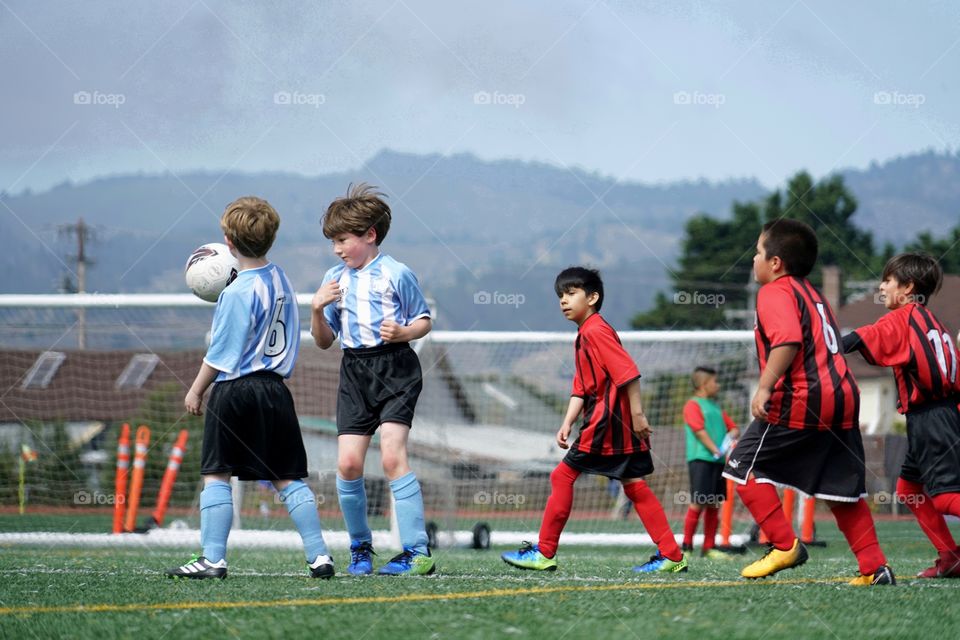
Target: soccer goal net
76 369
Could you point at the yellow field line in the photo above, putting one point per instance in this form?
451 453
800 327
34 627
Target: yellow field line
412 597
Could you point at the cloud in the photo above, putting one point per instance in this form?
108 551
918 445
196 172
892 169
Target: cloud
572 83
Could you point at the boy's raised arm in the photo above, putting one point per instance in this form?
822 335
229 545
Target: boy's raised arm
392 332
322 334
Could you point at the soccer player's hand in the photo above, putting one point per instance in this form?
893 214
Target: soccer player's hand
563 435
193 403
758 408
390 331
641 427
329 292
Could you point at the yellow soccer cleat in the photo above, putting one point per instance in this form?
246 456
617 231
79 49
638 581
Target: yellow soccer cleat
776 560
883 575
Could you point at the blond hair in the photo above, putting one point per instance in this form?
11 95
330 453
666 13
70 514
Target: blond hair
362 209
251 225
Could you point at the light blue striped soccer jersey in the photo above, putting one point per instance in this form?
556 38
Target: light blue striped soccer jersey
383 290
256 326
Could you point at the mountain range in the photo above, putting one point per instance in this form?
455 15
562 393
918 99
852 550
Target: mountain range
486 238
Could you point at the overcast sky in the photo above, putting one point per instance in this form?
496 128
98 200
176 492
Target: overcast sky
644 91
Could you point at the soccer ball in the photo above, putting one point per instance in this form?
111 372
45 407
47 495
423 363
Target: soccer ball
209 270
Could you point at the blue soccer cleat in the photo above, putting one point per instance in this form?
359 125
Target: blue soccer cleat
409 563
529 557
662 564
361 562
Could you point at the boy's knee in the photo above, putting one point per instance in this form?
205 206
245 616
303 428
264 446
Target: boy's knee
394 464
742 490
947 503
350 467
562 475
216 477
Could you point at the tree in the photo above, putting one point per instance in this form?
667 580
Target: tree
828 207
945 249
716 263
715 266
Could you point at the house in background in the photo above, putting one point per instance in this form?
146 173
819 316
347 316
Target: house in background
878 391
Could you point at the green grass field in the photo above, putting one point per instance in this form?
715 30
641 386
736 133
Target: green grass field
103 593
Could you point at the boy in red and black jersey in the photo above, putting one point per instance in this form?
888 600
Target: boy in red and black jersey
614 437
806 432
917 346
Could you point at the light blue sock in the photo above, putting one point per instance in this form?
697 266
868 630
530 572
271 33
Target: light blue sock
353 504
216 516
302 507
409 505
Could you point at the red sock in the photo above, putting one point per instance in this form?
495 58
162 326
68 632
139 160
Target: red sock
762 501
653 518
856 523
558 508
690 526
931 521
711 517
947 503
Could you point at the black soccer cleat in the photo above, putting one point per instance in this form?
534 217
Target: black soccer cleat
200 568
322 567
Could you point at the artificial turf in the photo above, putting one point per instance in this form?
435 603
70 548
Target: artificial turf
107 593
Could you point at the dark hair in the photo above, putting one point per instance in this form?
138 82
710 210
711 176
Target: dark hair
920 269
794 242
700 375
580 278
360 210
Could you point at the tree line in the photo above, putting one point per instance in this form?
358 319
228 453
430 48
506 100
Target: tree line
715 267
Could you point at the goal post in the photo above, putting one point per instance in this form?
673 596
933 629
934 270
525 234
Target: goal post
482 443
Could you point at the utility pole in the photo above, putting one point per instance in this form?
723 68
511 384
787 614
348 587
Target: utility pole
83 233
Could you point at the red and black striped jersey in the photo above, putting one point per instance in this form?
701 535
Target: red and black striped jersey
603 367
918 347
817 391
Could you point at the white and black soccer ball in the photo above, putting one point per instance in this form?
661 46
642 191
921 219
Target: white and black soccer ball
209 270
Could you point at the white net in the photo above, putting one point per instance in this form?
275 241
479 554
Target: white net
493 402
482 443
